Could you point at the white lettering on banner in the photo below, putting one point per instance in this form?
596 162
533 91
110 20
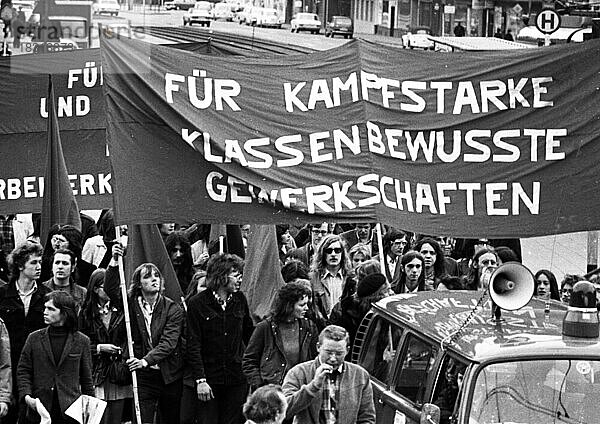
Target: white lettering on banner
499 198
217 91
32 187
480 146
67 106
452 97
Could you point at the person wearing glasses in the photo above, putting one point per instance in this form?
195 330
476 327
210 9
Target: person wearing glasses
395 243
331 274
328 389
306 252
484 259
219 328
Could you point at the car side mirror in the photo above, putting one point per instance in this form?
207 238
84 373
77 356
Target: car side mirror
430 414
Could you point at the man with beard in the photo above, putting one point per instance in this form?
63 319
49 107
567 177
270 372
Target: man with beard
328 389
180 252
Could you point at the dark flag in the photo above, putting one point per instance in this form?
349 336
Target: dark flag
232 242
59 205
144 244
262 271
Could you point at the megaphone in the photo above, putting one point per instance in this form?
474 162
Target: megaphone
511 286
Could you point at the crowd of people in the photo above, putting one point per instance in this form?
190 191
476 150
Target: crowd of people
63 330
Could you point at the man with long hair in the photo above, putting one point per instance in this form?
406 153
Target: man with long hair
219 327
56 364
156 328
180 252
331 274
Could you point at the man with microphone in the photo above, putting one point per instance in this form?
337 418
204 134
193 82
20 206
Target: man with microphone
328 390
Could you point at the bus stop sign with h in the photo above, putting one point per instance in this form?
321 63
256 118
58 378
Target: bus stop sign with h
547 21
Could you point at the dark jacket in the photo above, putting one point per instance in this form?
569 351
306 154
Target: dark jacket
166 328
38 375
19 326
392 279
216 338
348 313
264 360
74 290
98 334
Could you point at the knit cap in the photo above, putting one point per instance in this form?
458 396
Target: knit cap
370 284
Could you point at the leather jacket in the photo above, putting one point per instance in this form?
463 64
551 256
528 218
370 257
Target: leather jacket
264 360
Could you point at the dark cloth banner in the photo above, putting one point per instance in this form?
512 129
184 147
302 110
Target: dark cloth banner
146 245
24 108
501 144
262 271
59 205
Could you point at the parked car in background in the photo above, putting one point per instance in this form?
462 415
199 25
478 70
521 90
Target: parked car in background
305 22
223 11
341 25
179 4
110 7
418 37
252 15
201 14
269 17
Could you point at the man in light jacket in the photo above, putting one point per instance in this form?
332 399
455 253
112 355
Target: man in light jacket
328 389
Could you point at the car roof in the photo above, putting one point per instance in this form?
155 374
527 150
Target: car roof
525 332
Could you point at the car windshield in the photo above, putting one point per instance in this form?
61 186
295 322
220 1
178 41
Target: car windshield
202 6
540 391
307 16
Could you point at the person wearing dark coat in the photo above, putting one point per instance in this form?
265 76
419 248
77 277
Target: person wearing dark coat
156 328
21 319
56 363
351 310
283 340
219 327
102 320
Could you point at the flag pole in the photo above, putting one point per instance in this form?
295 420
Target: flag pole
136 399
380 246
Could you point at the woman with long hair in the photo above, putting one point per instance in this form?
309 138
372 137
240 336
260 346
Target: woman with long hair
55 366
102 320
434 261
283 340
546 286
